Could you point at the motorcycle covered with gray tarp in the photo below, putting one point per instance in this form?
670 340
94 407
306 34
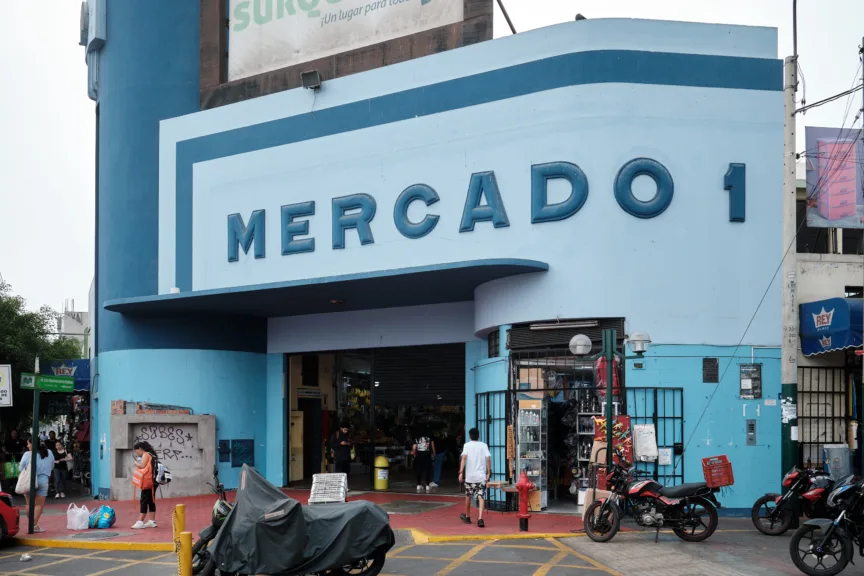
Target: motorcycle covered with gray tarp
270 533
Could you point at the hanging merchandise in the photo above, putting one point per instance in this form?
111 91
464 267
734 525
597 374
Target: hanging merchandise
600 376
644 443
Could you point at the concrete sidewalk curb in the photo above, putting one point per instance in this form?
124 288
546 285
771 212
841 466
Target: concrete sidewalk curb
96 544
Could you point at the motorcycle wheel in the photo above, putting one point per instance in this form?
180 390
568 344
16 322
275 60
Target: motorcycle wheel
602 529
208 569
368 566
200 556
831 562
699 508
761 516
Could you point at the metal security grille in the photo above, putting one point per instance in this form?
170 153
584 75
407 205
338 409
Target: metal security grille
664 409
492 410
524 337
432 375
822 411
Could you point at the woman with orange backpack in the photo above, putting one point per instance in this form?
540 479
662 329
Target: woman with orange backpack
144 478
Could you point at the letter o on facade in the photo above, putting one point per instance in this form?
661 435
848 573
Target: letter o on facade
624 192
410 229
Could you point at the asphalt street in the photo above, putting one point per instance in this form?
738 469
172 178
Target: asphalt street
736 549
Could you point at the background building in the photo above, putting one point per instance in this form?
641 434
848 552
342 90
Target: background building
412 244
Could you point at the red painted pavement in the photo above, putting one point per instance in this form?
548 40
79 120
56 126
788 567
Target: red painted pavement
442 521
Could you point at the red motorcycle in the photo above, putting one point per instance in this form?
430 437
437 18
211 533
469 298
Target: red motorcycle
772 513
690 510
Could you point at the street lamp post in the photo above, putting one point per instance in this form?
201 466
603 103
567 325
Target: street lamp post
580 345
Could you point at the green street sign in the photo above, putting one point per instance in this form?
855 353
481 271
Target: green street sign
47 383
55 383
28 381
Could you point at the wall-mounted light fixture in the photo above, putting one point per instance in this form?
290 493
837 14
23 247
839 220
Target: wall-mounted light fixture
311 79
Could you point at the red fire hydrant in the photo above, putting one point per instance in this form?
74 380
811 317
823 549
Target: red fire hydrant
523 486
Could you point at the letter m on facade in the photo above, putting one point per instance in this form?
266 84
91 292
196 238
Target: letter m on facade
241 235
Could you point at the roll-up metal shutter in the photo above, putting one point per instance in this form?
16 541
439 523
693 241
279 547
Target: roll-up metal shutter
522 337
420 375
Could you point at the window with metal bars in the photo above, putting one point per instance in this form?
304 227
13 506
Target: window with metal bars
494 343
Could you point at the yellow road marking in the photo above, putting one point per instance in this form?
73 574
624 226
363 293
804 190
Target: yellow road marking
580 567
66 559
513 562
505 544
393 553
544 569
583 557
114 569
462 559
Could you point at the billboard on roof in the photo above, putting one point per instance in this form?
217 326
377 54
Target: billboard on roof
265 35
835 177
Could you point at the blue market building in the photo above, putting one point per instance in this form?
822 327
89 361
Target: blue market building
434 231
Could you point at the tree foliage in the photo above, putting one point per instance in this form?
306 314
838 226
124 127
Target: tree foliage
24 335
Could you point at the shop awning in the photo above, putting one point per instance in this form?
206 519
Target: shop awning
436 284
79 370
828 325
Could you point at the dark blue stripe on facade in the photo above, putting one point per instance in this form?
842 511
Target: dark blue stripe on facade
597 67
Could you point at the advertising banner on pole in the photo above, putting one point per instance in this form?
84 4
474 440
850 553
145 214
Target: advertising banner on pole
5 385
835 179
266 35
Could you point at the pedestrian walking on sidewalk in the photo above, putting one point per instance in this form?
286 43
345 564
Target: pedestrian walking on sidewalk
475 469
61 469
341 448
424 453
441 442
42 469
144 478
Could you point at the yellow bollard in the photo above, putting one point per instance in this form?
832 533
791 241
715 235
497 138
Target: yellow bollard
184 554
178 520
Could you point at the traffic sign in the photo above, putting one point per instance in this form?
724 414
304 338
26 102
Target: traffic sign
28 381
47 383
55 383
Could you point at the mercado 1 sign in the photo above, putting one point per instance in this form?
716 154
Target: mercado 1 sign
483 203
267 35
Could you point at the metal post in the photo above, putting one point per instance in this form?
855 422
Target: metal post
178 520
34 444
183 546
609 337
789 347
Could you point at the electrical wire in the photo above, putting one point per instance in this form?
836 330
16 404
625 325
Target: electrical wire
817 188
506 16
851 91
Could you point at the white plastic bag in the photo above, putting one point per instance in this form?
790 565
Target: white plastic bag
77 518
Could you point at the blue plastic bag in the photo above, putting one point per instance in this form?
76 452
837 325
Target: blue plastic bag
102 517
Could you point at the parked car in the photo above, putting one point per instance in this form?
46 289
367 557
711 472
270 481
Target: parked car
9 517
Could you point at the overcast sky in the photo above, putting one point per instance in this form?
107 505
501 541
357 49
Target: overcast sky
47 121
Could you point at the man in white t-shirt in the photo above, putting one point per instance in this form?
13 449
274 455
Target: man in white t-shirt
474 469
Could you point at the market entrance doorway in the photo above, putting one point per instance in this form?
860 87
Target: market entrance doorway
391 398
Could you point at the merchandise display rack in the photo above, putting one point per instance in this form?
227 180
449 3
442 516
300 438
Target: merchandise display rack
533 449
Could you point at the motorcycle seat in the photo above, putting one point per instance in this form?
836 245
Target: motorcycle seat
682 490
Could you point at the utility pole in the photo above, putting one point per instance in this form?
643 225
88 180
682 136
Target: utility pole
789 346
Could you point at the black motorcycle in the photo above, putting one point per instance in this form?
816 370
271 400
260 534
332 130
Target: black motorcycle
221 509
823 547
267 532
772 513
690 510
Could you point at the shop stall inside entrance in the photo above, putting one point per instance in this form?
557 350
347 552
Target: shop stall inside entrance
389 397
